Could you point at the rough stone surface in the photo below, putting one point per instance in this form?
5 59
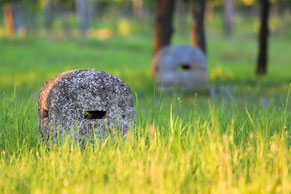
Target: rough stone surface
181 66
86 104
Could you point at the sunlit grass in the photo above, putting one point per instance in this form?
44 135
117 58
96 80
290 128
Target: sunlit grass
219 150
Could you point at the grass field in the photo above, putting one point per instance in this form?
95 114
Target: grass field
238 143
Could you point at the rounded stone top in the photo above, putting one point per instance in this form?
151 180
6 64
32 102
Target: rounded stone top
171 57
85 102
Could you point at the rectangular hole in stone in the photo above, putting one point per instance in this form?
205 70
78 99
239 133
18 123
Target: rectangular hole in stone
45 113
95 114
184 67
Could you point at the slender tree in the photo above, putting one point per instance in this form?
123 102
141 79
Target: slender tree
138 9
92 10
197 30
228 16
263 38
82 13
49 15
163 25
9 19
13 16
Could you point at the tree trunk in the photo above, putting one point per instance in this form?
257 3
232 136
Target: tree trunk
92 10
280 7
66 23
30 21
138 9
263 38
9 19
82 15
228 16
49 15
163 25
208 11
197 32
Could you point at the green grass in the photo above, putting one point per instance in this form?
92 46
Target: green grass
182 142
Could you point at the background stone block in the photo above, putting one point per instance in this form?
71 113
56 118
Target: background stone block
181 66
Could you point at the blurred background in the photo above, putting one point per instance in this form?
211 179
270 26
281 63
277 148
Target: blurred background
247 42
103 19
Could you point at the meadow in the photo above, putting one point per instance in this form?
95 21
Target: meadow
237 141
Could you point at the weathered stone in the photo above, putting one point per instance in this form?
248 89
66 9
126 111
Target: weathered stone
86 104
181 66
